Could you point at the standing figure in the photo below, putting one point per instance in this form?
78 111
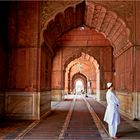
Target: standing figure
112 115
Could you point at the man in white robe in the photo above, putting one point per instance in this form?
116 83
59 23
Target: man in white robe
112 115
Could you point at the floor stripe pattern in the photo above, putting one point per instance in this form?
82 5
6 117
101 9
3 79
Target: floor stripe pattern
82 126
51 126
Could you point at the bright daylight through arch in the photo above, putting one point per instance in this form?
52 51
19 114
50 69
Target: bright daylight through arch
79 86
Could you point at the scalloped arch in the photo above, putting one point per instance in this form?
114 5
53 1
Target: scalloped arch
69 63
94 16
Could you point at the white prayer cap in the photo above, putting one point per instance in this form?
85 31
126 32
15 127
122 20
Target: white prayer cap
109 84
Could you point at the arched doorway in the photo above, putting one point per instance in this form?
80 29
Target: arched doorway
79 87
79 83
89 71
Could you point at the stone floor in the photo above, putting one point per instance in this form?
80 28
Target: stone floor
127 130
75 118
11 129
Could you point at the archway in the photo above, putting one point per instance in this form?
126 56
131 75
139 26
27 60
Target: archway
87 77
94 16
79 87
79 83
104 21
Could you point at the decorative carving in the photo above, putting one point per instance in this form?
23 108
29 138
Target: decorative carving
96 15
93 52
124 9
49 9
101 20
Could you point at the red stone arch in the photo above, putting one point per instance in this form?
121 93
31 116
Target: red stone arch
79 76
69 63
94 16
80 52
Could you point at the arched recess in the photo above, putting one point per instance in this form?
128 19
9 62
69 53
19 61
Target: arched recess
92 15
79 76
104 21
74 60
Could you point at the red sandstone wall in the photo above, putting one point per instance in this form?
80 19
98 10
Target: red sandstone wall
23 41
137 48
56 82
137 86
22 69
46 68
124 71
27 16
137 19
29 66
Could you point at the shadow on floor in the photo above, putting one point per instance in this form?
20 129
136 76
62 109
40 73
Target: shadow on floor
9 129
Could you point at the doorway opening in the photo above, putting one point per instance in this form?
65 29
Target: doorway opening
79 87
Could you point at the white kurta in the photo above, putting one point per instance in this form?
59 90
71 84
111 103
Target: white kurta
112 114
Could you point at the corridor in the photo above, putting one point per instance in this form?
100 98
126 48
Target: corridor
76 118
56 58
69 120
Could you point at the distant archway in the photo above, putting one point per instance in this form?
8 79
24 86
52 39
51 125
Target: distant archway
79 77
73 60
79 86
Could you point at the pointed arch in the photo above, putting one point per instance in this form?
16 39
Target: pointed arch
74 60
